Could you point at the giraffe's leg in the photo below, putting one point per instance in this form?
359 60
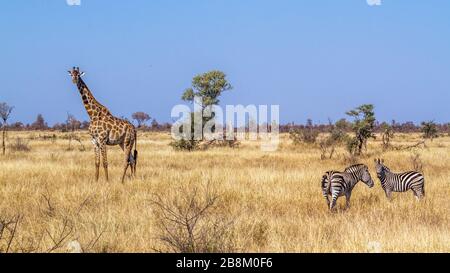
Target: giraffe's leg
127 160
105 161
97 162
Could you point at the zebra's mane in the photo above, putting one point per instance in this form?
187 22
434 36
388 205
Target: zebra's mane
356 166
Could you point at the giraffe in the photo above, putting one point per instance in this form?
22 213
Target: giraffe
106 129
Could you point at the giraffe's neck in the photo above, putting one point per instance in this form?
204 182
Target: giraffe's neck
93 107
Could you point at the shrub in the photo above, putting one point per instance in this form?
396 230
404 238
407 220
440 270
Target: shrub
191 223
20 145
416 162
308 134
182 144
429 130
387 135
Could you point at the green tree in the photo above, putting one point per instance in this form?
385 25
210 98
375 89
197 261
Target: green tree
429 130
363 126
208 86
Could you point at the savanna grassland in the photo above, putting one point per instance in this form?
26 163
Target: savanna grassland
268 202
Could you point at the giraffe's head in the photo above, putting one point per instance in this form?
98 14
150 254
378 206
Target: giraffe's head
75 74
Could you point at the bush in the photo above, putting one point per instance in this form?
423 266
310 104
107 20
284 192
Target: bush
337 136
191 223
20 145
308 134
387 135
416 162
182 144
429 130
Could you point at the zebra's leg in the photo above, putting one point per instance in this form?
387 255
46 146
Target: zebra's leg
388 194
327 199
325 195
418 193
422 190
324 184
347 199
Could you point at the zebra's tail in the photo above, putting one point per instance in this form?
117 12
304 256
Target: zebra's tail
423 187
328 177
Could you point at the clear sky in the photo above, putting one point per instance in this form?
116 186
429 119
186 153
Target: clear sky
316 59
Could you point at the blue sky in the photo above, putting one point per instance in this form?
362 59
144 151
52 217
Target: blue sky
316 59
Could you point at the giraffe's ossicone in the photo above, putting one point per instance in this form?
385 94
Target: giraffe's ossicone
106 129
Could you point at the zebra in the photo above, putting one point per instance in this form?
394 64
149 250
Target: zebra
342 183
400 182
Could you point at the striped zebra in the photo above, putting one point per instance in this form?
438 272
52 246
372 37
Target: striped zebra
342 183
400 182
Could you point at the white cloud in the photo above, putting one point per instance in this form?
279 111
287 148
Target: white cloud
374 2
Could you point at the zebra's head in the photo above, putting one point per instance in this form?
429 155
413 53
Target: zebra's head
380 167
361 172
365 177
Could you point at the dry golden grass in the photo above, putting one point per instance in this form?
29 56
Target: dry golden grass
274 198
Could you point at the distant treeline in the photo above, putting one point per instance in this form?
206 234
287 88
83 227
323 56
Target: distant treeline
405 127
72 124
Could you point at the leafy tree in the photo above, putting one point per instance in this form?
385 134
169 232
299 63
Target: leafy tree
5 112
363 126
140 118
207 86
429 130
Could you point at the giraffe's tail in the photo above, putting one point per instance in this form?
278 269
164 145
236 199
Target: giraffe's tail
135 153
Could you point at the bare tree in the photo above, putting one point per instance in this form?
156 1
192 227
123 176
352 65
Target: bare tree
72 124
5 111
